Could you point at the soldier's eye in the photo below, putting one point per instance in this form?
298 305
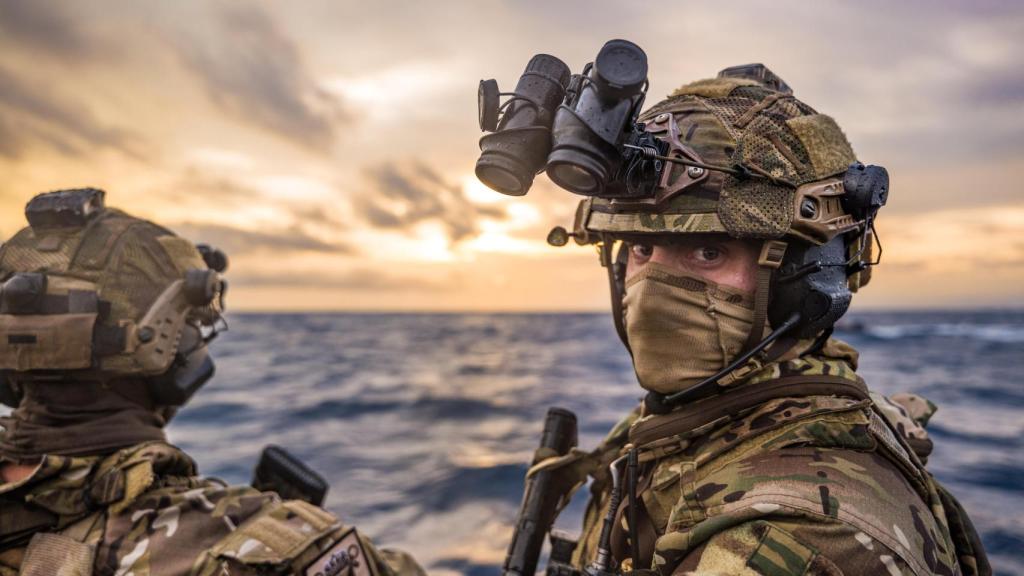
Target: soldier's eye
642 251
708 254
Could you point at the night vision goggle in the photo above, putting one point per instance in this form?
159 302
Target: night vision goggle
583 131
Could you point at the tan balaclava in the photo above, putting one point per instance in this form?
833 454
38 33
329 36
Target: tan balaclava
682 328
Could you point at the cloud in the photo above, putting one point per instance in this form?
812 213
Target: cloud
247 65
199 185
1003 88
253 71
32 112
973 240
236 241
402 198
45 26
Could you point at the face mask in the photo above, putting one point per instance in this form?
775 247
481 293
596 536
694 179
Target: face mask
682 328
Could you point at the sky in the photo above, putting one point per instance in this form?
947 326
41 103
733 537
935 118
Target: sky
328 146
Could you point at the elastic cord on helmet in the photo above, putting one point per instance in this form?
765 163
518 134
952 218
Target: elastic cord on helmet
740 171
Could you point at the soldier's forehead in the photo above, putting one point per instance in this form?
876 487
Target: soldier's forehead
680 239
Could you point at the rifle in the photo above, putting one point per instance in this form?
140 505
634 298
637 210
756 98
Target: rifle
540 496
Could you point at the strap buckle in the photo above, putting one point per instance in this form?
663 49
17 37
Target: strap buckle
772 253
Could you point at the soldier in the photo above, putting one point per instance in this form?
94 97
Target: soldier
758 449
104 321
790 466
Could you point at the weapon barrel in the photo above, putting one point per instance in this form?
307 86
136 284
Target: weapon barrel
537 511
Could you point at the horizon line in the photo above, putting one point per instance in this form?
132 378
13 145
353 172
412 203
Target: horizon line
568 311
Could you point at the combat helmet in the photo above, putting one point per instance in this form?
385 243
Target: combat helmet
756 163
90 292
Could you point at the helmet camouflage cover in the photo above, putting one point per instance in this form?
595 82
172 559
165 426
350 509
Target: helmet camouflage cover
89 287
750 125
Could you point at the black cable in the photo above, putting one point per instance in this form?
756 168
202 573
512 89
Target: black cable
702 388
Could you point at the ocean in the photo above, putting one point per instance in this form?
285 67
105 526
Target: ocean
423 423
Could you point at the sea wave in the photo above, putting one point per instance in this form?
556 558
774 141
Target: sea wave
1002 333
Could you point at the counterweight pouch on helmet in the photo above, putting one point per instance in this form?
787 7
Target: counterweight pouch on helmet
44 342
64 208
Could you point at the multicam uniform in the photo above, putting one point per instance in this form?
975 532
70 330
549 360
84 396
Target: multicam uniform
805 484
142 511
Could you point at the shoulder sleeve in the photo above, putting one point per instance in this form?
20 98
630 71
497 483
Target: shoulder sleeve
908 415
790 548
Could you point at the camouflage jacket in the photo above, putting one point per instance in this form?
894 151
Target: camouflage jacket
143 512
799 485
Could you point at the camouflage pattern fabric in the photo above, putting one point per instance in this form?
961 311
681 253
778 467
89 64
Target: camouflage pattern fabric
805 485
143 512
734 122
127 260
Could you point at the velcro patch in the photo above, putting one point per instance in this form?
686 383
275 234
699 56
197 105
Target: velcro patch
346 557
713 87
825 142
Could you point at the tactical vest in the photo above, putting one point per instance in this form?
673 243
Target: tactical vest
725 461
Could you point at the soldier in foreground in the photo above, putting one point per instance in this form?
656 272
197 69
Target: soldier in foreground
743 223
105 320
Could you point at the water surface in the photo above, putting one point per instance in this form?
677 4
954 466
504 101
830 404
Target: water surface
423 423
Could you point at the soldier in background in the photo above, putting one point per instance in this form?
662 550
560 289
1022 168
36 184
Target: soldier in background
104 320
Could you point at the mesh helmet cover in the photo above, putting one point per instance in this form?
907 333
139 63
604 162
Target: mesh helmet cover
127 262
730 121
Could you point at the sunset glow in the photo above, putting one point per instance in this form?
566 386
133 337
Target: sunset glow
329 148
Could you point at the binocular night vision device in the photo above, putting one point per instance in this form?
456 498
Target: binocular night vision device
580 128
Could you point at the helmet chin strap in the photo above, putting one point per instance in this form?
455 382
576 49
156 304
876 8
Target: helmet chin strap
772 252
616 283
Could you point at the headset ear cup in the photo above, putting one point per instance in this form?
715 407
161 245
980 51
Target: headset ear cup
812 281
176 386
191 369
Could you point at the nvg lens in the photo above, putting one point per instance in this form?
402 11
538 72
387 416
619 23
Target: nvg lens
497 178
574 178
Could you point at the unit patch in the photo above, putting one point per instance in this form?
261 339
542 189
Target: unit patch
345 558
